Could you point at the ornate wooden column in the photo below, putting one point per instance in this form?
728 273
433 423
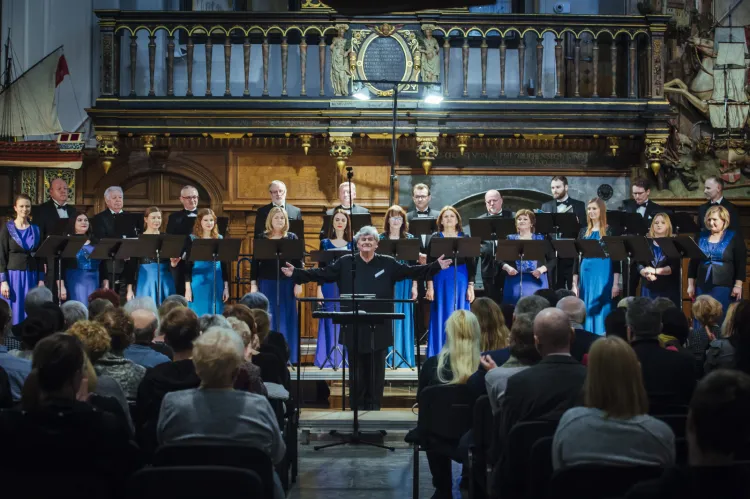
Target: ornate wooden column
170 65
209 62
190 52
521 66
118 62
503 53
322 61
613 57
446 63
539 62
577 65
303 66
595 57
227 64
151 64
484 66
657 61
133 53
465 60
284 64
559 67
108 81
246 63
631 65
266 49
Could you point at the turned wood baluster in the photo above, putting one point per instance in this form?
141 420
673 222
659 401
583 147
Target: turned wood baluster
284 64
484 67
227 64
577 63
170 65
209 62
649 75
446 63
631 46
613 56
190 51
151 64
322 60
116 69
503 50
133 52
539 61
559 67
595 57
246 61
265 65
303 66
521 64
465 53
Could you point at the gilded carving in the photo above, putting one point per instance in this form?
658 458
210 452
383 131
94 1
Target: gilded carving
657 67
107 63
107 148
655 147
341 149
427 151
28 183
69 176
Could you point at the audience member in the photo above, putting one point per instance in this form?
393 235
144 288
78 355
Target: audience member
575 309
170 303
509 311
613 427
548 294
98 306
717 430
707 315
207 321
674 329
495 334
6 331
113 363
105 294
741 338
255 300
625 302
141 303
729 318
214 411
248 377
143 350
15 368
270 359
74 311
616 325
6 397
272 338
721 351
669 377
562 293
662 303
531 304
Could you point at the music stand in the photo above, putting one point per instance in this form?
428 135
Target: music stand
521 249
622 223
214 250
329 256
684 223
56 248
557 225
127 224
678 248
156 246
466 247
278 249
358 220
298 228
423 226
626 249
106 249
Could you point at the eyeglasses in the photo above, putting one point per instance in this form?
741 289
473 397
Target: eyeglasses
396 219
421 197
189 197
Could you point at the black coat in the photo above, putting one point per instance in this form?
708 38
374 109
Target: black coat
734 214
664 284
733 261
669 376
108 225
652 209
355 210
45 215
12 254
578 208
411 215
582 343
490 267
292 212
180 223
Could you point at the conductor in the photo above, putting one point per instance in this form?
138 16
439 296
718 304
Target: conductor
374 274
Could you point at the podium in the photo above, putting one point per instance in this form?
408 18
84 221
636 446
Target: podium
278 249
56 248
214 250
626 249
156 246
455 247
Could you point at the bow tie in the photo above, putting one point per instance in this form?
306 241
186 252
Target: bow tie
423 212
715 203
279 206
59 206
558 203
192 211
643 205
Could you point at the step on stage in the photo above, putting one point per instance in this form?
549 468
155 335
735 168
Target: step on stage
312 373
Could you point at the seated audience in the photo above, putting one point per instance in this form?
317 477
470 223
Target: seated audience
741 335
625 302
674 329
717 430
669 377
248 377
548 294
255 300
259 301
141 303
531 304
707 312
270 359
563 292
575 309
112 362
721 351
6 397
523 354
213 411
208 321
457 360
495 334
509 311
6 332
98 306
662 303
104 294
74 311
35 299
613 427
616 325
143 351
170 303
15 368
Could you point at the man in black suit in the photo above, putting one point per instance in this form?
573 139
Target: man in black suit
346 203
51 216
421 196
493 277
714 191
575 309
277 188
181 223
562 203
669 376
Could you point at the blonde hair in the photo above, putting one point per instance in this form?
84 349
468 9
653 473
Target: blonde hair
461 349
726 327
262 323
217 354
269 220
242 329
707 310
528 213
198 225
440 218
723 215
614 383
494 332
95 338
666 219
602 217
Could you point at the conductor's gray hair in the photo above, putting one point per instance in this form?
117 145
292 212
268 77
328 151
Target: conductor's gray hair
111 189
367 230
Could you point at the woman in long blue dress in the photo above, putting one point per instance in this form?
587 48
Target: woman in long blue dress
661 276
397 227
263 275
206 283
597 280
723 272
19 270
328 352
81 274
525 277
146 274
449 285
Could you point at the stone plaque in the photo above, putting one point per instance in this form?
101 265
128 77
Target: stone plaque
384 59
386 53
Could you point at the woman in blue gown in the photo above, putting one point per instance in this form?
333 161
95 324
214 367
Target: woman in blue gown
661 276
263 275
596 280
397 227
452 288
328 352
145 275
206 283
723 272
81 274
19 270
525 277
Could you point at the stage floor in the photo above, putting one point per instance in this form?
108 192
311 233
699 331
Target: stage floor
312 373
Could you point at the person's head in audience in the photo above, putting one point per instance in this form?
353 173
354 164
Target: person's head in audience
509 311
180 329
548 294
262 323
728 324
531 304
615 324
614 380
99 306
575 309
5 320
176 298
674 323
57 371
495 334
107 294
33 330
717 425
170 303
218 355
707 310
93 336
461 351
642 319
739 336
145 325
249 338
552 332
255 300
625 302
74 311
119 325
140 303
522 344
562 293
662 303
35 298
242 312
207 321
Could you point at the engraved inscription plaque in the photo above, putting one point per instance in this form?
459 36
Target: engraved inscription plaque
384 59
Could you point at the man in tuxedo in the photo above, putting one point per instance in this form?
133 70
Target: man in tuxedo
51 216
562 203
575 309
345 203
277 188
493 276
421 196
181 223
714 191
